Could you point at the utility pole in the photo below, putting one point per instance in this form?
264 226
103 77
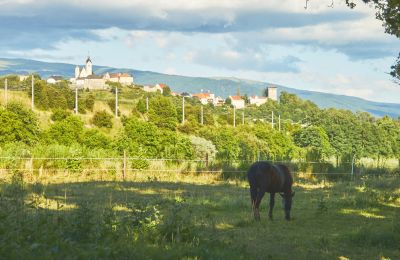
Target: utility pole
279 123
234 116
76 100
33 94
272 120
116 102
183 109
5 94
202 114
147 104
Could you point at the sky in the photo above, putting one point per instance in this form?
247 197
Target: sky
321 48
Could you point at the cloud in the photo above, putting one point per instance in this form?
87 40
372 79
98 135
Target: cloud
233 60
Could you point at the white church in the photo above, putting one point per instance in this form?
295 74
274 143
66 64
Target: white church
84 77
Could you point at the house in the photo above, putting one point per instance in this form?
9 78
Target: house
237 102
54 79
219 101
122 78
258 101
205 98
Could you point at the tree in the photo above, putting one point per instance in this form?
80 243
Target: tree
162 113
315 140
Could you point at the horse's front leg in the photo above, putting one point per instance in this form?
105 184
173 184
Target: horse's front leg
271 204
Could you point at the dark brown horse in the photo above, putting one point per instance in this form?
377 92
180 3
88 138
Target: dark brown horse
272 178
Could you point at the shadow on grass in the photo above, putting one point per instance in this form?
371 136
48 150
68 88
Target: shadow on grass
155 219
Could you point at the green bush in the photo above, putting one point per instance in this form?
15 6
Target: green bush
66 131
18 124
102 119
60 114
93 138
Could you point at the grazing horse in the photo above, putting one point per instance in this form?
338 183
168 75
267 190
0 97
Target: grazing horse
273 178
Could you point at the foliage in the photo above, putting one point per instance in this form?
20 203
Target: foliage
162 113
18 124
49 96
315 140
93 138
60 114
102 119
66 131
89 102
203 147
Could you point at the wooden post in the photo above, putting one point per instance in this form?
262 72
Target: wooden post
272 120
147 104
234 116
243 117
124 170
183 109
207 160
279 123
202 115
76 100
33 94
116 102
5 94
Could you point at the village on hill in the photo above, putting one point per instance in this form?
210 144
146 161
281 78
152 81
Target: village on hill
84 78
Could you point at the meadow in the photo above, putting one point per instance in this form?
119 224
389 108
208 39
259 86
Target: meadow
169 215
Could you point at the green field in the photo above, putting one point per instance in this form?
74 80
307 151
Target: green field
184 216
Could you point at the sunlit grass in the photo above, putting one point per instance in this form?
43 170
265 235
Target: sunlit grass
213 216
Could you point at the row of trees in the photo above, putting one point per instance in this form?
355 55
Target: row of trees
307 132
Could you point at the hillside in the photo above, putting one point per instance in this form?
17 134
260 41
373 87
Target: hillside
220 86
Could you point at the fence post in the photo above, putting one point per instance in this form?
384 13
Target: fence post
124 170
207 160
352 167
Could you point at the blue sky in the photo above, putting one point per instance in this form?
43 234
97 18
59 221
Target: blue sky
335 50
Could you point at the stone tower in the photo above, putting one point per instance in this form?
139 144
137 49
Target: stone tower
89 70
272 93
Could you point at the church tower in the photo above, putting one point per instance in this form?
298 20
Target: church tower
77 72
89 70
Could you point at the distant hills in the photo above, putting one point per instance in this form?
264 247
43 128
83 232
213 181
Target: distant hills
220 86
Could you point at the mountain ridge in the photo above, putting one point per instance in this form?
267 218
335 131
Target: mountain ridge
221 86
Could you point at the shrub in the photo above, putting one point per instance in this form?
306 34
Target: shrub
60 114
93 138
66 131
89 102
102 119
18 124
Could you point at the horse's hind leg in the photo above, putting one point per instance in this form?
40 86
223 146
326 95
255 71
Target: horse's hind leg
257 202
253 194
271 204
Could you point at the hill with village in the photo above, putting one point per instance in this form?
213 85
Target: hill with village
223 87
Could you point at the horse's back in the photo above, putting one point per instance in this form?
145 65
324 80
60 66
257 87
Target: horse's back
258 174
272 178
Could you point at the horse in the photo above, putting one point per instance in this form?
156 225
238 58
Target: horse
272 178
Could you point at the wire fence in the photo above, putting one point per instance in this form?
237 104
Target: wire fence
125 165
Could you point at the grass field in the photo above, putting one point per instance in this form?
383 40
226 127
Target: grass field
178 216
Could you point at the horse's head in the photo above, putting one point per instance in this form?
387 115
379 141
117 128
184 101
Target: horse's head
287 203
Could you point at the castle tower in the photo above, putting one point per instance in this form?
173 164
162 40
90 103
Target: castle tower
77 72
272 93
89 70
